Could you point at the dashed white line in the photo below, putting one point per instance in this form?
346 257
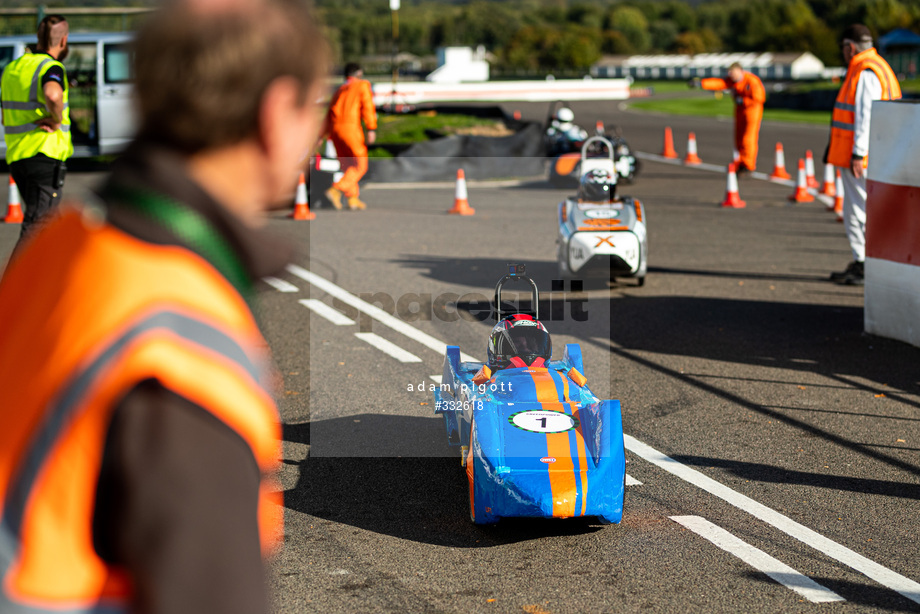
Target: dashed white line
884 576
387 347
759 560
280 285
631 481
322 309
373 311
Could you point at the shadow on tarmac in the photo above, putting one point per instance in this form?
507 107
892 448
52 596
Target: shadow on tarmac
419 499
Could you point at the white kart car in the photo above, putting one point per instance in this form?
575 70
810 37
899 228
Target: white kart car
601 234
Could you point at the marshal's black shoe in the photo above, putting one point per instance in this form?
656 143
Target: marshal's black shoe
853 275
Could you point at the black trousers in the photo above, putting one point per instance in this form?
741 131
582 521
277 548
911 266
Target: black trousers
40 180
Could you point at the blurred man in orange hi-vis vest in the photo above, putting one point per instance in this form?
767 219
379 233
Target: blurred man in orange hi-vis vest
352 103
749 96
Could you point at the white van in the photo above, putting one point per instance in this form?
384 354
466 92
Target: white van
100 70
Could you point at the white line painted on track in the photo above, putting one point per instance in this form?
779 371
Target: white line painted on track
280 285
387 347
373 311
436 378
759 560
884 576
716 168
322 309
631 481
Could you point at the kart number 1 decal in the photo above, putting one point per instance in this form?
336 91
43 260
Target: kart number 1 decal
541 421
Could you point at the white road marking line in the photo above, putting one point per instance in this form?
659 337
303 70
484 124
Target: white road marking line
884 576
759 560
280 285
320 308
631 481
387 347
721 169
436 378
373 311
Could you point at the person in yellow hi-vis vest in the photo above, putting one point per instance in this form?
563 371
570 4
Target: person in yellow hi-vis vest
869 78
139 438
36 122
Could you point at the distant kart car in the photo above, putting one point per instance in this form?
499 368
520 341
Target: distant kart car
535 441
566 169
601 238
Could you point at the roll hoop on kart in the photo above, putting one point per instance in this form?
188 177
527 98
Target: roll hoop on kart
535 441
601 234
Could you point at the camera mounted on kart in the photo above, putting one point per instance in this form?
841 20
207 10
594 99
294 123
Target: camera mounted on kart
516 272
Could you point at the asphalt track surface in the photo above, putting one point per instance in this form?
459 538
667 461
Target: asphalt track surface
759 415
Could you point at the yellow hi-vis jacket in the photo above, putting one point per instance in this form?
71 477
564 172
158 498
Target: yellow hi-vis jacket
23 101
116 311
843 119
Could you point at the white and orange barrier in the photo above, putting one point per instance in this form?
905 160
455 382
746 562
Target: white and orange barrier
892 283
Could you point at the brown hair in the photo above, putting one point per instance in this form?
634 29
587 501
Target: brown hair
201 74
48 35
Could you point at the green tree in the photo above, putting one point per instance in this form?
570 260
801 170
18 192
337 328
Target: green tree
632 24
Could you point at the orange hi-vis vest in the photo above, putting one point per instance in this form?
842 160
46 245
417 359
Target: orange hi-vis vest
88 312
843 119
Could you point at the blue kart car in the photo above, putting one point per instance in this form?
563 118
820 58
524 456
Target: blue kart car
535 441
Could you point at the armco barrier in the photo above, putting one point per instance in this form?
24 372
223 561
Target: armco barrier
501 91
892 291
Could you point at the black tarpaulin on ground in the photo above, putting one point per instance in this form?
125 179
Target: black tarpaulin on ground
480 157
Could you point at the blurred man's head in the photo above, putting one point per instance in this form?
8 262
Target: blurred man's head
52 36
855 39
735 72
353 69
216 74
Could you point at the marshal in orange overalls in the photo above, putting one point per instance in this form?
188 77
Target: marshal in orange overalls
749 98
352 103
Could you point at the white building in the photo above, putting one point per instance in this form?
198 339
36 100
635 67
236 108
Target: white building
460 65
768 66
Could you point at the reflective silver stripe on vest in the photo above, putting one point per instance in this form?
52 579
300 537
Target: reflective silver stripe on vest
60 414
842 125
33 89
26 106
845 107
30 127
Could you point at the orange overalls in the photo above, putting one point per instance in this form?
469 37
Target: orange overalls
351 103
749 98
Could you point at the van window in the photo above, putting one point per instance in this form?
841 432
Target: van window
119 63
6 56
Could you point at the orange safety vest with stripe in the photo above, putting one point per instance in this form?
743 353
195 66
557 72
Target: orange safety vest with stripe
113 312
843 119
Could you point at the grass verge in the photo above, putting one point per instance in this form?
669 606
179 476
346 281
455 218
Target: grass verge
723 106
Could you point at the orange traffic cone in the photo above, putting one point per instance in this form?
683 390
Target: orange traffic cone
301 203
692 158
829 188
599 128
810 170
14 206
669 151
461 204
732 198
838 199
516 115
779 166
801 194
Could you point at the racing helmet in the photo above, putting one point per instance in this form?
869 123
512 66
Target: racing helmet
565 115
597 186
519 336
